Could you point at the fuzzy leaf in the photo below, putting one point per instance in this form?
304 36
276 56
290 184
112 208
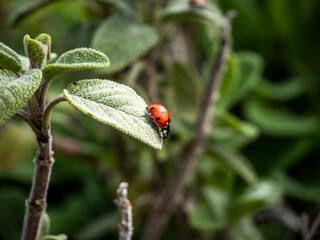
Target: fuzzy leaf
77 59
123 40
9 59
25 64
116 105
45 39
6 77
35 51
15 92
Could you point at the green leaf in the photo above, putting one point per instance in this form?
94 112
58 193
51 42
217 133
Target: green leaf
232 132
116 105
278 121
77 59
181 11
25 64
246 129
45 39
235 161
9 59
14 93
243 74
124 40
36 52
282 91
262 194
57 237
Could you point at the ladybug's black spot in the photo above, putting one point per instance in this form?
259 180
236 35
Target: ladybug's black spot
157 118
163 112
152 108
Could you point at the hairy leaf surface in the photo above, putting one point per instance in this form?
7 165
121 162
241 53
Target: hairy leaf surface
15 92
123 40
36 52
77 59
9 59
116 105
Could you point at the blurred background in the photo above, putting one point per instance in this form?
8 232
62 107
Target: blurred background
258 177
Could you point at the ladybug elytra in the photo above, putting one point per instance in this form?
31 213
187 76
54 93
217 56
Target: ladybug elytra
161 117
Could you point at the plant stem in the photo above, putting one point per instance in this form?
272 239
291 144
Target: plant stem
193 149
43 92
36 203
49 108
34 111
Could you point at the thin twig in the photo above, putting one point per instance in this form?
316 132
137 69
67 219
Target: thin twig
125 227
43 92
36 203
193 149
34 111
48 110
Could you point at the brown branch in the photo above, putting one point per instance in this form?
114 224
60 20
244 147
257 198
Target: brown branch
125 227
36 203
193 149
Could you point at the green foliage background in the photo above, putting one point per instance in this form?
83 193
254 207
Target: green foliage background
260 169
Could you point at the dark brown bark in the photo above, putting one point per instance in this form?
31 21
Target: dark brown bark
36 203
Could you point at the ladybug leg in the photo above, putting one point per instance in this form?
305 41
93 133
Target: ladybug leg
165 130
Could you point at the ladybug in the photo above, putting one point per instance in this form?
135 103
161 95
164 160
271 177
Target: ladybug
198 3
161 117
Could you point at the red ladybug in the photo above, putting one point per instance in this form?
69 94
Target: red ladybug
161 117
198 3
